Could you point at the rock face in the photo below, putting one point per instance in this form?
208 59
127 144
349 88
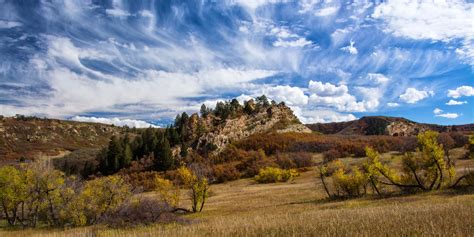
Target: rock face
29 137
380 125
277 118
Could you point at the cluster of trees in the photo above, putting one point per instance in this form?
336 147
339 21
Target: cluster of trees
121 151
232 108
35 194
429 168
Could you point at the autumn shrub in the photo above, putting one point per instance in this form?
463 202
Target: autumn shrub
302 159
141 211
332 155
273 175
346 181
459 139
225 172
284 161
141 181
254 161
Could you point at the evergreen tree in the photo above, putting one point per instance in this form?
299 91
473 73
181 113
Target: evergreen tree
163 156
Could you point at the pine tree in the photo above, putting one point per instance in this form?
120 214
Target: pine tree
163 156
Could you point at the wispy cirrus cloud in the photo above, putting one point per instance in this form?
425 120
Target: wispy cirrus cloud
329 60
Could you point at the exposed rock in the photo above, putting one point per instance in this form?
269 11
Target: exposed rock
277 118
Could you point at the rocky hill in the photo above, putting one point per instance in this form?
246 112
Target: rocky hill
29 138
381 125
275 118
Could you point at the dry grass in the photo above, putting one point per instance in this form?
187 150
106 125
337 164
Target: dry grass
299 208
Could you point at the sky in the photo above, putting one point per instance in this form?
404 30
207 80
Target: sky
139 63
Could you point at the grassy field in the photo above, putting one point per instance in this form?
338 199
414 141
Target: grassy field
300 208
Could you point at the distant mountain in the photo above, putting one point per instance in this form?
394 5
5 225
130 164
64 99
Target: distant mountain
381 125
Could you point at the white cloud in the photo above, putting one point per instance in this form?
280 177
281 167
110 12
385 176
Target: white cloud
115 121
300 42
448 115
437 111
350 48
377 78
287 94
442 20
327 89
9 24
327 11
412 95
455 102
329 95
286 38
322 116
461 91
393 104
117 12
466 52
254 4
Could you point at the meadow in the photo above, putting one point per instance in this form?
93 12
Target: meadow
301 208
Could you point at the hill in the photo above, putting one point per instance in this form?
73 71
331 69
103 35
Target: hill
381 125
29 137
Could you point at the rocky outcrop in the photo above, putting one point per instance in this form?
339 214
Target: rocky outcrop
277 118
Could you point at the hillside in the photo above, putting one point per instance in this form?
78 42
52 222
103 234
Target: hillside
28 137
381 125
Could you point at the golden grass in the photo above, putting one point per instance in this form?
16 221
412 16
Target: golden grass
299 208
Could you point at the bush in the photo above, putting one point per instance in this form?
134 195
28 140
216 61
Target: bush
225 172
332 155
347 182
254 161
142 211
284 161
302 159
273 175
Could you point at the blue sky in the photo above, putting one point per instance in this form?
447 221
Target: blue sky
141 62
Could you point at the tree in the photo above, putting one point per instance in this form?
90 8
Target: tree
204 111
168 192
163 156
198 186
100 197
262 101
425 170
13 192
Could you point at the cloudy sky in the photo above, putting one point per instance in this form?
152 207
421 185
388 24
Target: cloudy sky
140 62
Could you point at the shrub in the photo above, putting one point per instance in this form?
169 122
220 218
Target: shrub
347 182
141 211
254 161
225 172
273 175
332 155
284 161
302 159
